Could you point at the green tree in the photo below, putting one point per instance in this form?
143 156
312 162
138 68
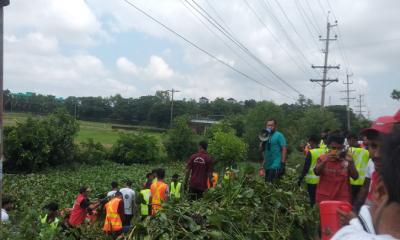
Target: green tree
316 120
227 149
180 142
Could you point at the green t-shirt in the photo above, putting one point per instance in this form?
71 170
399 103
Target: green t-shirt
273 150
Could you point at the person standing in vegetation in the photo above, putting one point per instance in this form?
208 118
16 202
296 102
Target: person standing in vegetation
381 220
81 208
149 180
335 169
308 170
6 206
159 192
360 158
275 152
129 204
144 201
114 216
114 189
199 169
176 187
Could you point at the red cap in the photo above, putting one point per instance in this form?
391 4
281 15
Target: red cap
383 124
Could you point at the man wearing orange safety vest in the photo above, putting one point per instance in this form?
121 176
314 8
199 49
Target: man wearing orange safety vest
159 192
214 181
114 215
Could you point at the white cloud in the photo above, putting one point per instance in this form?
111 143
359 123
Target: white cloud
126 66
159 68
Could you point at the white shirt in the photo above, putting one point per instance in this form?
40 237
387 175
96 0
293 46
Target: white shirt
128 196
355 230
370 169
111 193
4 215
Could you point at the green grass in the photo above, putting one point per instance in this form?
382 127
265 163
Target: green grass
98 131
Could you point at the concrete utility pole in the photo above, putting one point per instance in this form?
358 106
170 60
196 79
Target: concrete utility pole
172 91
348 98
3 3
360 105
324 82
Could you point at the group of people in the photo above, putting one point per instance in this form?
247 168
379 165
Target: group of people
364 173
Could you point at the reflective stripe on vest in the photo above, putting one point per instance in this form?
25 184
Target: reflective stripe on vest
113 222
144 208
175 190
360 158
311 178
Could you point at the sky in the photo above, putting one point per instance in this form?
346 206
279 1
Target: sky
244 49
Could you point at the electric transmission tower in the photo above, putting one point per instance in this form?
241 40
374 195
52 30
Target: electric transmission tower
348 98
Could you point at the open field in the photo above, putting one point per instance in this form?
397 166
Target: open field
100 132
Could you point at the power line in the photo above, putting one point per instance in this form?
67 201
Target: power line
201 49
239 44
304 69
300 6
305 22
313 17
226 44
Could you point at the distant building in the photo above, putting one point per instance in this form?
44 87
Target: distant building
231 100
199 126
203 100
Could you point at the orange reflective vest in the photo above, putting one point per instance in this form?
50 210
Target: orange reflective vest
215 180
113 222
159 194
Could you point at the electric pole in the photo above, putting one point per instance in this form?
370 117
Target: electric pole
324 82
3 3
172 91
360 105
348 98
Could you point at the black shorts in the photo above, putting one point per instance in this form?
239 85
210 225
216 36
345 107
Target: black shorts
195 194
271 174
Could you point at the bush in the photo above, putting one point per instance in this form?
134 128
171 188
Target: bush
219 127
36 144
135 148
226 149
91 152
180 142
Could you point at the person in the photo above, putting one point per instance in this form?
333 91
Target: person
159 192
275 152
144 201
129 204
360 158
154 175
50 221
374 135
381 220
334 170
199 168
114 189
308 170
324 138
114 216
149 180
213 184
176 187
6 206
81 208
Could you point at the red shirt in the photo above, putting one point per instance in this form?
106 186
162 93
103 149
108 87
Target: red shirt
200 167
78 214
372 185
334 183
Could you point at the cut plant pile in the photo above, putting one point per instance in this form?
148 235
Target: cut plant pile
240 209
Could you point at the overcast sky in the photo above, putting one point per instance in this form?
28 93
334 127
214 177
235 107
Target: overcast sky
102 47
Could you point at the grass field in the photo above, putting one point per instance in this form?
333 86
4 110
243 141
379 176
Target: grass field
99 132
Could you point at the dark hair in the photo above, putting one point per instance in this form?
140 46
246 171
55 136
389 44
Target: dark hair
160 173
114 184
53 206
352 136
83 189
154 171
337 138
203 144
118 193
390 168
314 138
273 120
128 182
149 174
6 200
175 176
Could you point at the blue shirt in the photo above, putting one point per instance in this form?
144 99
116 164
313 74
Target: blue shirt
273 150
